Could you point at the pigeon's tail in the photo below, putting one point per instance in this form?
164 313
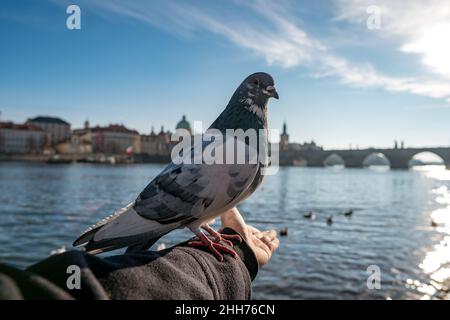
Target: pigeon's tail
124 228
88 234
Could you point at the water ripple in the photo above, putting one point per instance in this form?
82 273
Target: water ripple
401 223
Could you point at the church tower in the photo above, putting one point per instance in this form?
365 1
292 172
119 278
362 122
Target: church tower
284 138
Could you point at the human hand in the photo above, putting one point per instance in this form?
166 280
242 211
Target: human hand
263 243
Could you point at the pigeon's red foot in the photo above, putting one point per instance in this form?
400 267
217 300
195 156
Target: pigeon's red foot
218 237
214 247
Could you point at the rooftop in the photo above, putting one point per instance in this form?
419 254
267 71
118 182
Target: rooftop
47 119
19 126
114 128
183 124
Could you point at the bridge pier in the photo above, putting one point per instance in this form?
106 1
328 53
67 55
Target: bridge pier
399 166
402 167
352 159
399 161
354 165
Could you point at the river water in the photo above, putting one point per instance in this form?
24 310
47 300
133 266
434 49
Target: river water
389 237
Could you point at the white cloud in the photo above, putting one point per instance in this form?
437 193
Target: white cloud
420 27
368 77
268 30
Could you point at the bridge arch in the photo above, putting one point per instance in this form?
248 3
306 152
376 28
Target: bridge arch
424 158
334 160
376 159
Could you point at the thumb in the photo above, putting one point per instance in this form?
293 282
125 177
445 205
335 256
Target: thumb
231 217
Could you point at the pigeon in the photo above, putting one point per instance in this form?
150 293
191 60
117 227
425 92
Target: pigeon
189 194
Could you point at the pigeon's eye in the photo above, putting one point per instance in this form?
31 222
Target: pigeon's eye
255 82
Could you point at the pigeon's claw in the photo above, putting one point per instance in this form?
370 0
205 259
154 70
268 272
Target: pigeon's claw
218 237
227 237
215 247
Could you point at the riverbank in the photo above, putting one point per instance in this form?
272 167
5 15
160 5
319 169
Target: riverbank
99 158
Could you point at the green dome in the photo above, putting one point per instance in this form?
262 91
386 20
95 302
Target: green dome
184 124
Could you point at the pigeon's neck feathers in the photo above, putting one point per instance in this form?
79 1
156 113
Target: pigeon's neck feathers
242 112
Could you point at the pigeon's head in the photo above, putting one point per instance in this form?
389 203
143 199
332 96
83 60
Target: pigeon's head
259 87
247 108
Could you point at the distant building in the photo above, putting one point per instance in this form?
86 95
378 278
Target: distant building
57 129
160 145
113 139
286 146
156 144
284 139
21 138
184 124
306 146
81 140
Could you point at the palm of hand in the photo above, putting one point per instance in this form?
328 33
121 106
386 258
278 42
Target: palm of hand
263 243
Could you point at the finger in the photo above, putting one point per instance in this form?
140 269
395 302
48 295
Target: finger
270 241
253 230
228 215
232 218
273 245
263 245
270 234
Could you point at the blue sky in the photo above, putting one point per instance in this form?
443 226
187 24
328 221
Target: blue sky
144 63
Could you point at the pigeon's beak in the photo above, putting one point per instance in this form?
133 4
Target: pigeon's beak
272 92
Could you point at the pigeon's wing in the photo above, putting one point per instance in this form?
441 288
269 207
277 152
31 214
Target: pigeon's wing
181 194
187 192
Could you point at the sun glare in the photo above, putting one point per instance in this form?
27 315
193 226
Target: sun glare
434 49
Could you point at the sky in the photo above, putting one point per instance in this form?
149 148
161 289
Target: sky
348 72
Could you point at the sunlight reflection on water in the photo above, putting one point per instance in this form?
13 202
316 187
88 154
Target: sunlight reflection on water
437 261
437 172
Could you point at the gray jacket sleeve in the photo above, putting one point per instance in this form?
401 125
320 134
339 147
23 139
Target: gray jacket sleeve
178 272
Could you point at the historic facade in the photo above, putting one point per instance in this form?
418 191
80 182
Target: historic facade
21 138
156 144
160 145
52 135
114 139
57 129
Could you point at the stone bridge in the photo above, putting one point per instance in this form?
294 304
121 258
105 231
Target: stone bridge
398 158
